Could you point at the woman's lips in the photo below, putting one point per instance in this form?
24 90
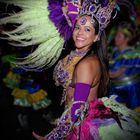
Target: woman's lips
80 39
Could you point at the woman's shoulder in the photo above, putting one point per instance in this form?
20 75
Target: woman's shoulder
87 70
89 63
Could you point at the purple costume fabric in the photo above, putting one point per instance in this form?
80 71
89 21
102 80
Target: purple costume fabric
104 2
59 19
72 12
81 94
64 126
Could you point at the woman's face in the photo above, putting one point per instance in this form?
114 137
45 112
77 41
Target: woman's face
120 39
84 33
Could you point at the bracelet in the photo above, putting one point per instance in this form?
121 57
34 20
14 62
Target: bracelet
78 102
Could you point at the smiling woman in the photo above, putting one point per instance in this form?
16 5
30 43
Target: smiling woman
84 76
84 33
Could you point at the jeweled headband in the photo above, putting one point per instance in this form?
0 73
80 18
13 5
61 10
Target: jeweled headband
101 10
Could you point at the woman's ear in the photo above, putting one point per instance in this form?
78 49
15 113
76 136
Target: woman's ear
96 38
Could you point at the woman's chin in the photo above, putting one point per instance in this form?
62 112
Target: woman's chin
81 48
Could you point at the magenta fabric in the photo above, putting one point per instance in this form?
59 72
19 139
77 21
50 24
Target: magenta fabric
81 93
88 129
97 115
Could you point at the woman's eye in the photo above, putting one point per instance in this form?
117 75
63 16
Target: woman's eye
87 30
77 27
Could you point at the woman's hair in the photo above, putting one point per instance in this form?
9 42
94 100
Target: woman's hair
99 48
129 31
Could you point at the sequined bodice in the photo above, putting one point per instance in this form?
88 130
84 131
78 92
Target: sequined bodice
63 71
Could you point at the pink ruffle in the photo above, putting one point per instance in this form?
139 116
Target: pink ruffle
88 130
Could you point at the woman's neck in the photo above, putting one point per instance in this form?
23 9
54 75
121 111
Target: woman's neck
82 50
123 47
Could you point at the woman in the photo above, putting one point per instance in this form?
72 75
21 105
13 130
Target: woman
125 68
83 74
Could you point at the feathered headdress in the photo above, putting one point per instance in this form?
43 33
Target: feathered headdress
101 10
48 24
45 23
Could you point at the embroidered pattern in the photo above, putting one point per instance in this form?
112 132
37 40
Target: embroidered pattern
63 71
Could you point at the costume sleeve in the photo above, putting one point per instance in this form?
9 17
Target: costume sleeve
71 116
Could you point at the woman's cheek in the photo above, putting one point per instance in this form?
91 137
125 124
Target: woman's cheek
74 36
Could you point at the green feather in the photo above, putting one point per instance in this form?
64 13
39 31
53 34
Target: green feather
35 28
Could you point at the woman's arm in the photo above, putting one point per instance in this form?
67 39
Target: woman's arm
118 73
87 71
85 74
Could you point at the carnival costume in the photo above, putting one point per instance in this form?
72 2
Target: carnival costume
101 118
12 78
25 93
127 85
30 94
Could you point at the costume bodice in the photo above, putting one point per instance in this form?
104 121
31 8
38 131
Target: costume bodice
63 71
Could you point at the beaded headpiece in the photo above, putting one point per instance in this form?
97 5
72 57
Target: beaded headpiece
101 10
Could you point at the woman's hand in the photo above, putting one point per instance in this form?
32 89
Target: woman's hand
38 137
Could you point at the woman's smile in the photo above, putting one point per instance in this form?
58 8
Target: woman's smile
80 38
84 34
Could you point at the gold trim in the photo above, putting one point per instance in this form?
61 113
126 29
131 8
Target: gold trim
137 109
37 96
19 93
